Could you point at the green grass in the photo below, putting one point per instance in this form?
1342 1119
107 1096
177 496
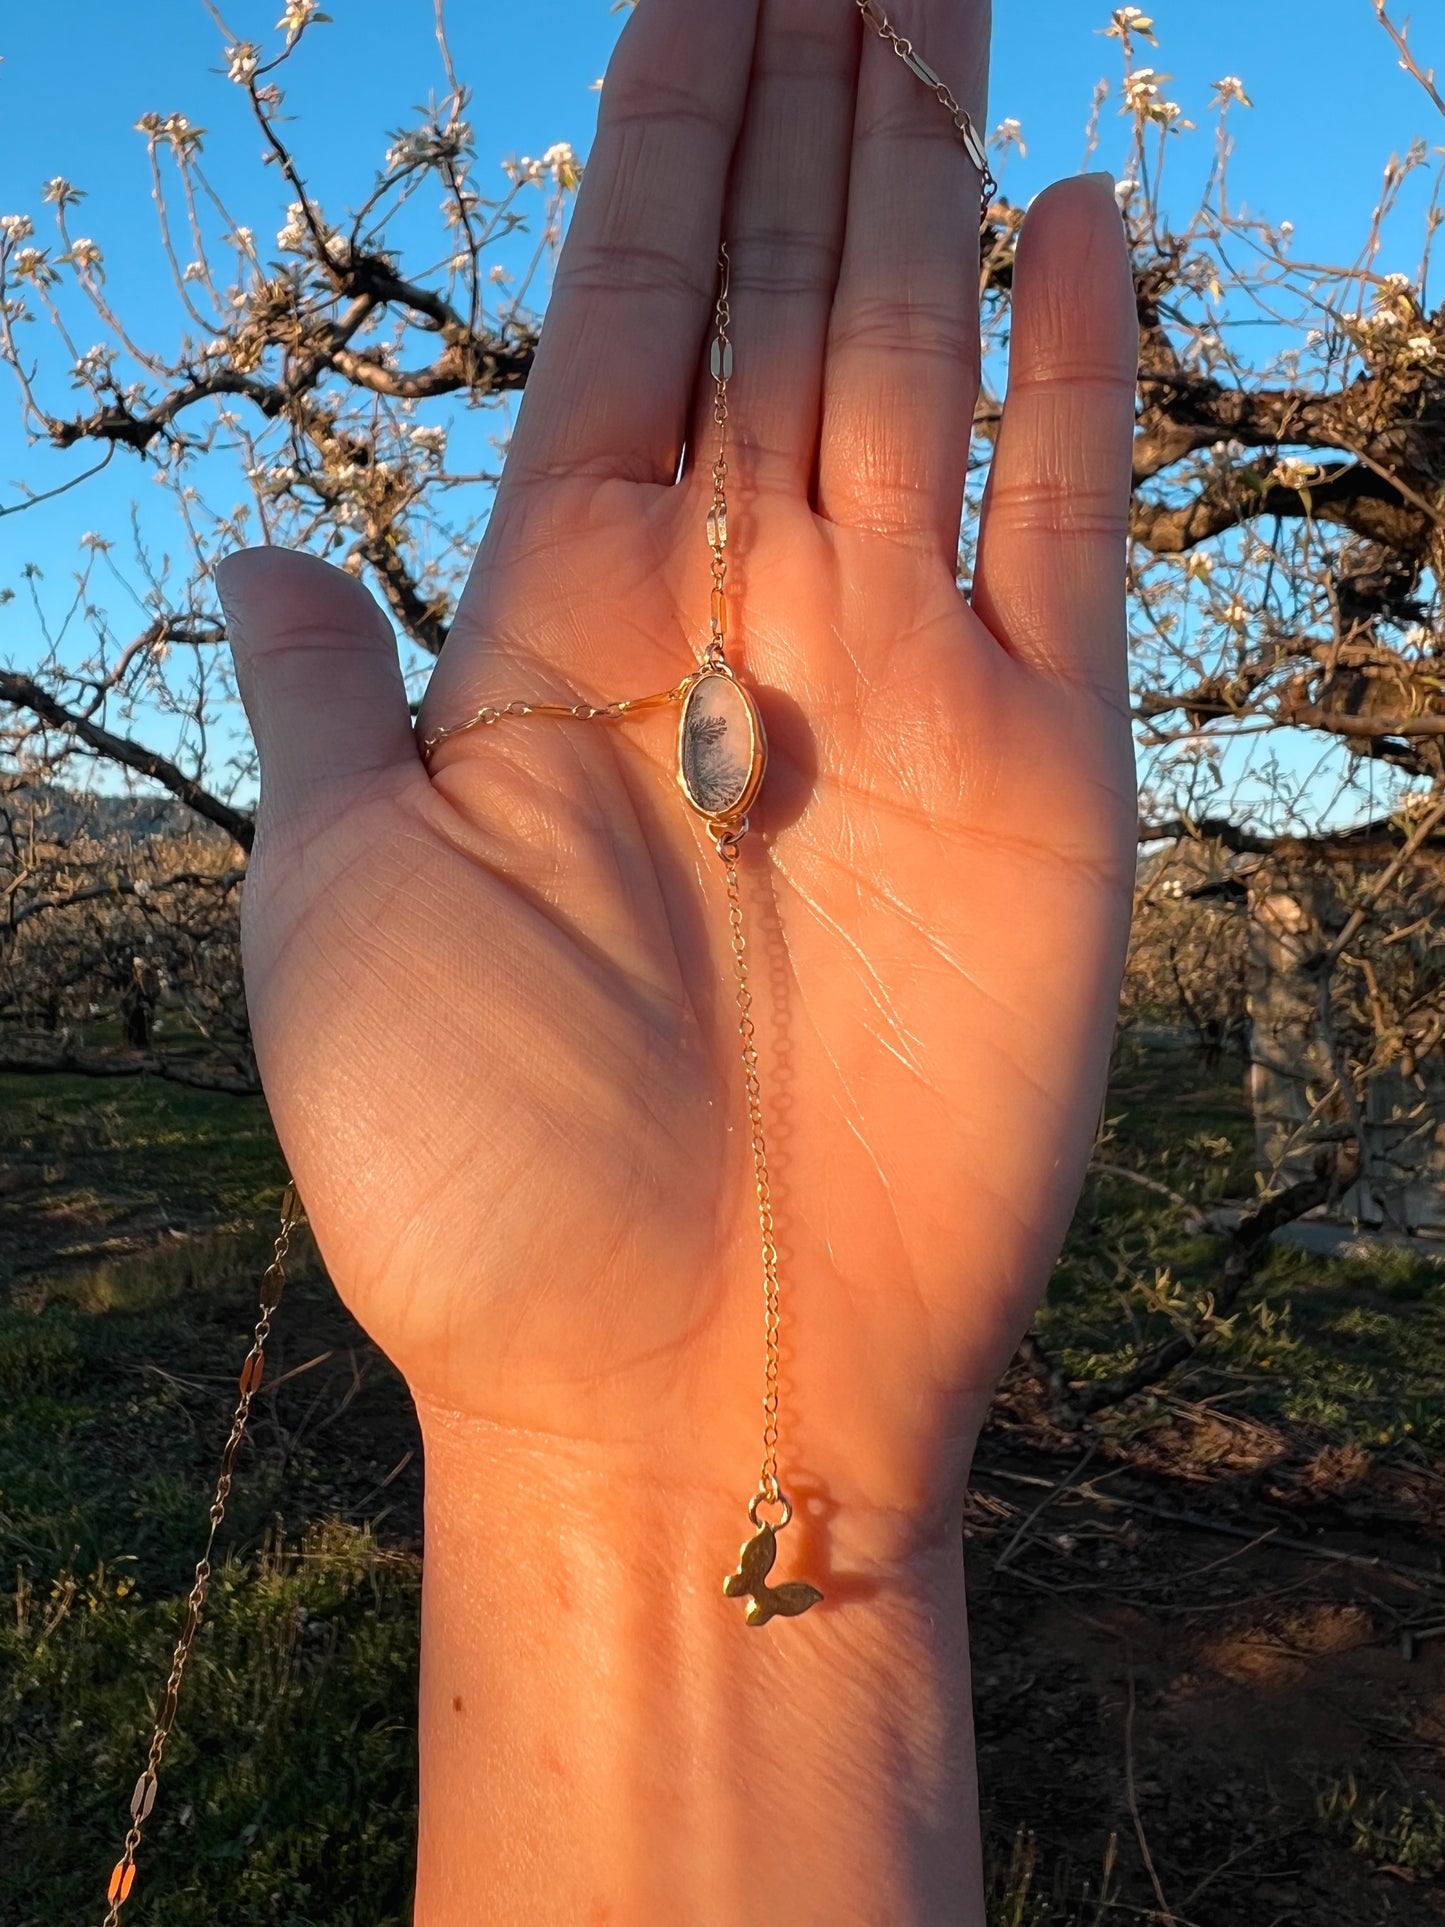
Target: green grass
289 1787
289 1790
1352 1346
108 1150
1019 1894
1401 1831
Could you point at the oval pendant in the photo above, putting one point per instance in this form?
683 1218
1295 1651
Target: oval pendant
721 748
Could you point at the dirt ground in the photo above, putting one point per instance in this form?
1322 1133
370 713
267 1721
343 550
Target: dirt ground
1206 1644
1185 1642
1195 1644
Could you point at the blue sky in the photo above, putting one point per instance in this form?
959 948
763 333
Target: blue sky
1330 107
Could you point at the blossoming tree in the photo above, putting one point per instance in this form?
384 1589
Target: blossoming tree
342 385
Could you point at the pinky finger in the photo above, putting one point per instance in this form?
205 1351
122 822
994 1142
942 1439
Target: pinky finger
1050 576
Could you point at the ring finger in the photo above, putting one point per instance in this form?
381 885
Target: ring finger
902 365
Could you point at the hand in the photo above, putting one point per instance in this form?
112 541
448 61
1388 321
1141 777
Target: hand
493 1007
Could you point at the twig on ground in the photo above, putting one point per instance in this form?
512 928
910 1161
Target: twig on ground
1165 1909
1201 1522
1055 1492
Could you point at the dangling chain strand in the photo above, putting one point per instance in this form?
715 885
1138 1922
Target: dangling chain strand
122 1877
769 1492
727 829
756 1556
728 839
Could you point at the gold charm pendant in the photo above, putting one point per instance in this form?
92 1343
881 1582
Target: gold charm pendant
755 1562
722 751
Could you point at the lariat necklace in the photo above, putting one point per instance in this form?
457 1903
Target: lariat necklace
721 757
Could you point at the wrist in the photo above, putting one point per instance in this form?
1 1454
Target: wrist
603 1738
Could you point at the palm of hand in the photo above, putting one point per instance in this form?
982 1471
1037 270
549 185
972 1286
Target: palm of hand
494 1010
495 1018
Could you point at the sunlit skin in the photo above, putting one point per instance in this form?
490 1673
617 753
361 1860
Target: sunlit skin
492 1003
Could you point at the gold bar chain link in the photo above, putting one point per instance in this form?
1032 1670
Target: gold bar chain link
973 141
491 713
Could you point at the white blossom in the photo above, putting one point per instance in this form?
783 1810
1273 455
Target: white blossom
410 149
1144 96
292 238
242 60
563 165
1130 20
301 14
558 164
33 264
1290 472
182 136
1229 90
16 227
1010 133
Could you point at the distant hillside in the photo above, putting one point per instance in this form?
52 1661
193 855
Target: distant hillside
62 814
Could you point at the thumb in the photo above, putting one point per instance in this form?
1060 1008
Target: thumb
318 671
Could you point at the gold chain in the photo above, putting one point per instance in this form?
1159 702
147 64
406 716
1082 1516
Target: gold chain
717 515
769 1492
963 121
490 713
273 1282
765 1601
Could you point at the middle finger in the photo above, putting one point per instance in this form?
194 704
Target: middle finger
783 226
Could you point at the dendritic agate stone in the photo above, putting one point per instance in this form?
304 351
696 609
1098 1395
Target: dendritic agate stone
721 748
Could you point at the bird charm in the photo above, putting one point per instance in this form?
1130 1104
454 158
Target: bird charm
755 1562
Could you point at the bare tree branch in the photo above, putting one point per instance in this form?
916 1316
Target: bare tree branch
22 693
115 887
